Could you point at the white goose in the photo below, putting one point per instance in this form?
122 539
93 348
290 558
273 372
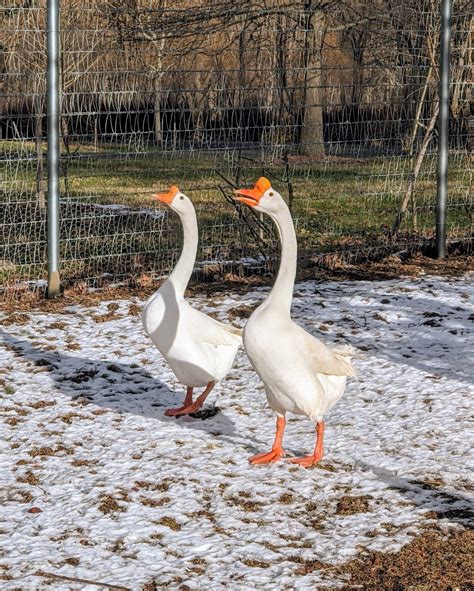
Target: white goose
199 349
300 374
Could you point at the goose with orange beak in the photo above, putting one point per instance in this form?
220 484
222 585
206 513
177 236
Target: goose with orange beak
199 349
300 374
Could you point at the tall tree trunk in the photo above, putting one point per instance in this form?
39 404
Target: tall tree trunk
158 88
312 133
241 87
281 81
409 193
40 190
419 109
358 42
157 108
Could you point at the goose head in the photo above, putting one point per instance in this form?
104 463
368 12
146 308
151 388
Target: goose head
176 200
262 197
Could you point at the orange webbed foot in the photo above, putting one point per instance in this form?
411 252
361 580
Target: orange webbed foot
183 410
172 412
267 458
307 461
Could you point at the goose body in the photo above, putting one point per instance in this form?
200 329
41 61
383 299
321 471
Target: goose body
300 373
273 343
199 349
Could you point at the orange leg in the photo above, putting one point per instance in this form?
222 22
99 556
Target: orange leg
189 406
318 450
277 449
171 412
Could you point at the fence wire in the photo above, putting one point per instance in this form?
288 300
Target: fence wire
336 102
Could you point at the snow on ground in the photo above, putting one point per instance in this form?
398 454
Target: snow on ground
128 495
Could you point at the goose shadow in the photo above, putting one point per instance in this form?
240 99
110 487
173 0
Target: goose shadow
444 504
123 388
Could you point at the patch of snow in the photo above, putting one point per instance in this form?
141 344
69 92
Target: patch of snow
128 495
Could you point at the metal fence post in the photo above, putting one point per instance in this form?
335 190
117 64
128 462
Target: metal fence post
53 146
443 128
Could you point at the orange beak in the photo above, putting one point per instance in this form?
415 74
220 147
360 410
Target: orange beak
252 196
167 197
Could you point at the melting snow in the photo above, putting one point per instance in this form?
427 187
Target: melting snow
128 495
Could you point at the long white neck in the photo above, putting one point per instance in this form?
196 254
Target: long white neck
185 265
281 294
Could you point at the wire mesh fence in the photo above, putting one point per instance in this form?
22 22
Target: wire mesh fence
336 102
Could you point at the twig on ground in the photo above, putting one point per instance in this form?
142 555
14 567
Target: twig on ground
85 581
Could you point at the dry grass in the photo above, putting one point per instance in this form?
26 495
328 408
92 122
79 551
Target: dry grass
17 319
70 416
42 404
244 503
57 326
255 563
28 478
108 504
241 312
73 561
169 522
351 505
391 267
154 502
12 421
162 486
49 451
286 498
105 317
431 562
83 463
134 310
26 496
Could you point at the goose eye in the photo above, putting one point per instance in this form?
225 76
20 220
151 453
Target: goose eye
181 197
271 194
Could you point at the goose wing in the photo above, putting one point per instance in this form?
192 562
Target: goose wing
206 329
322 359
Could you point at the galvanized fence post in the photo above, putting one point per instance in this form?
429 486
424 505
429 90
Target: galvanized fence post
53 147
443 128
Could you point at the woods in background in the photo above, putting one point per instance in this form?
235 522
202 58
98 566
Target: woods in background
313 75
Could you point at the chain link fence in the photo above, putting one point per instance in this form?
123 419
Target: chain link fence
336 102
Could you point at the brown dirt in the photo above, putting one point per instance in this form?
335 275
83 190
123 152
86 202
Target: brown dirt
154 502
244 504
108 504
286 498
332 269
26 496
15 319
431 562
73 561
255 563
147 485
49 451
70 416
83 463
29 478
351 505
42 404
241 312
169 522
105 317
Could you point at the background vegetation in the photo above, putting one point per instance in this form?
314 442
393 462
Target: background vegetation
335 101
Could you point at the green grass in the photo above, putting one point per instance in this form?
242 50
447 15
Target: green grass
339 204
